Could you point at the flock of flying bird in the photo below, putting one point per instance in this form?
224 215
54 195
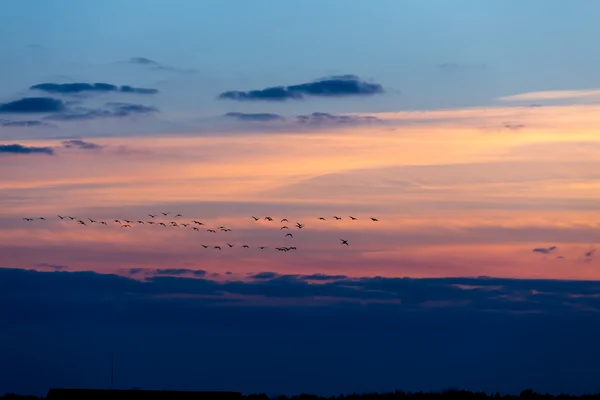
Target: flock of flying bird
195 225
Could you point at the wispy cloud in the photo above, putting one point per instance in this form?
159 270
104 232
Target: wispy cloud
20 149
156 66
112 110
24 124
80 144
74 88
553 95
315 119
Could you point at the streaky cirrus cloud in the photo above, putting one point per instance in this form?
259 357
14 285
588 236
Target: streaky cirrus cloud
553 95
20 149
80 144
112 110
72 88
31 105
337 86
24 123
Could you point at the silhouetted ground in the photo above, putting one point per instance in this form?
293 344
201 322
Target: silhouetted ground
446 395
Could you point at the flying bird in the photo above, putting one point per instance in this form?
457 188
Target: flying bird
322 219
299 225
60 217
262 247
28 219
81 222
126 226
217 247
185 225
338 218
150 222
211 230
284 227
165 214
178 215
42 218
230 245
71 218
117 221
292 248
205 246
151 216
344 242
91 220
128 221
246 246
269 218
374 219
197 222
284 220
256 219
290 235
162 223
196 229
103 223
140 222
353 218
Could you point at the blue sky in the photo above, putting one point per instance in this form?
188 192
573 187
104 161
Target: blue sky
499 48
479 272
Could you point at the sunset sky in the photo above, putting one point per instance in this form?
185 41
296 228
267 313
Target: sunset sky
469 129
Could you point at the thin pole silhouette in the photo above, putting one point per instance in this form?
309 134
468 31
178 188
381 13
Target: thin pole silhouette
112 369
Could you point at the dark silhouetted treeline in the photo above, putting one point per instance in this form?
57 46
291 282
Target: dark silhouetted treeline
445 395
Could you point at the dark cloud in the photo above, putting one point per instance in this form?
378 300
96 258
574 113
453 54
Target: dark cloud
52 266
264 275
337 86
484 293
72 88
323 277
20 149
255 117
326 118
135 271
64 326
33 105
544 250
179 271
114 110
81 144
22 124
